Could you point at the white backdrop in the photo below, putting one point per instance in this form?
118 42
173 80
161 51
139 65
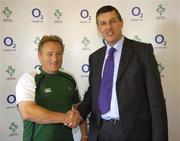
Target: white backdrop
24 22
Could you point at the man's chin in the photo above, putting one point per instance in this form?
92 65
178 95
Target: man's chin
55 70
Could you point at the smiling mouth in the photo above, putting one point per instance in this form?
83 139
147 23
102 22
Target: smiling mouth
53 64
109 33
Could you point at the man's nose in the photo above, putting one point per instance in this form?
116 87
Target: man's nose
55 57
108 25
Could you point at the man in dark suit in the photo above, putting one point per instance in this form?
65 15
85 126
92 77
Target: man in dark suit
137 110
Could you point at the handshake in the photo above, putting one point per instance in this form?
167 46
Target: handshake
72 118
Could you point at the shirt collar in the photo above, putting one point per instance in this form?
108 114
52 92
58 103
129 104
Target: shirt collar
118 46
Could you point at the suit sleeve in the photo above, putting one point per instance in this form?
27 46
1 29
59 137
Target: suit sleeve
85 106
155 96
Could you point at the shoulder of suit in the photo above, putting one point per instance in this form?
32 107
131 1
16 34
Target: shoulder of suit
100 50
137 44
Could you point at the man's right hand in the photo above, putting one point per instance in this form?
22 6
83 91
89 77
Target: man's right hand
73 118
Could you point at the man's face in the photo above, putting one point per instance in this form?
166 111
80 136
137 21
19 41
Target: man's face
50 57
110 27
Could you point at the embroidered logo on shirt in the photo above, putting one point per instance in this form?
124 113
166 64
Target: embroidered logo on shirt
69 88
47 90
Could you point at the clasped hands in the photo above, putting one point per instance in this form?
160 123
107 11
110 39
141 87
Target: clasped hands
72 118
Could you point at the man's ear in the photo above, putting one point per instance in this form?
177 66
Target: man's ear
98 32
122 23
39 55
98 28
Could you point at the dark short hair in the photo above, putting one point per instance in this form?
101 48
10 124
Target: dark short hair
107 8
50 38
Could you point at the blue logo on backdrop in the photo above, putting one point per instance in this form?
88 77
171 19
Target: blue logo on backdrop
11 99
136 11
37 67
84 13
36 13
9 42
85 68
86 18
160 41
138 15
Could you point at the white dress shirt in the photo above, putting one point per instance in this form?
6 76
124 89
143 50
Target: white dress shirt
114 110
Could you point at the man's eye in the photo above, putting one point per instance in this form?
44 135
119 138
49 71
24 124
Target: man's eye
59 54
113 21
49 54
102 23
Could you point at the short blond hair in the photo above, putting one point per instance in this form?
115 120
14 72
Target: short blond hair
50 38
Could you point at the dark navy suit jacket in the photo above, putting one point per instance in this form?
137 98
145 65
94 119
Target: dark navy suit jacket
139 93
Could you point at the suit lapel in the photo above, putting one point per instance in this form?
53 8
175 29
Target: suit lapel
99 64
100 60
125 56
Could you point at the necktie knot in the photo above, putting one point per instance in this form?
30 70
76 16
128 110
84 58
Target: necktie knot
112 50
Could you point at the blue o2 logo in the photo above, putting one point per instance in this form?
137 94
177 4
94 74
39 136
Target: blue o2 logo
84 13
8 41
136 11
37 66
85 68
159 39
11 99
37 13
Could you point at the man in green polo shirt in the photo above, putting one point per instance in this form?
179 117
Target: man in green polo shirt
46 96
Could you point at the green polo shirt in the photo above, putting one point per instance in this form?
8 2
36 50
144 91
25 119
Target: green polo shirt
55 92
